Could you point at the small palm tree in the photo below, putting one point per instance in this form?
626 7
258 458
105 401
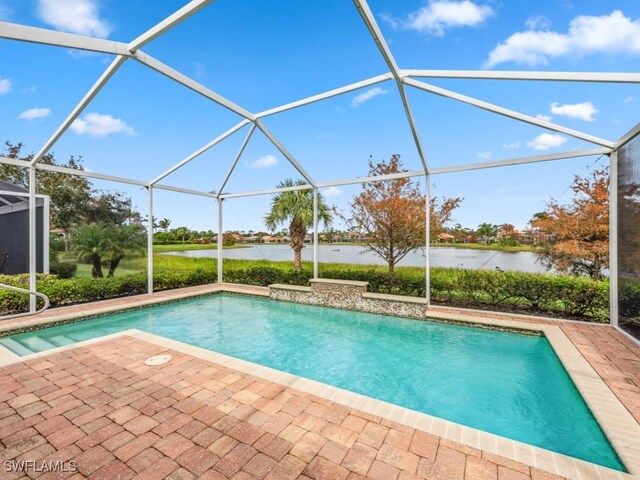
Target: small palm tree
94 242
164 224
296 208
122 240
88 241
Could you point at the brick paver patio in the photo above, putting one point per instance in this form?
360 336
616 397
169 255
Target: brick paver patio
101 407
117 418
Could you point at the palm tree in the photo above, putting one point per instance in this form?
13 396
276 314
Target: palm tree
88 241
296 208
122 240
164 224
95 241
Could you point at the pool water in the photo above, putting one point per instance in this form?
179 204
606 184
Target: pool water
504 383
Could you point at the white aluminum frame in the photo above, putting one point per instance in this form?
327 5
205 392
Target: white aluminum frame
402 77
613 238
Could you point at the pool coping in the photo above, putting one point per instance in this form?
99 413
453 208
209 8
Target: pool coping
616 421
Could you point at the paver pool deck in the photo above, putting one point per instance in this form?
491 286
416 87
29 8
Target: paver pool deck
99 405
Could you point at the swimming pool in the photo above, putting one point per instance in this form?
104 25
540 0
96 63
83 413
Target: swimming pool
504 383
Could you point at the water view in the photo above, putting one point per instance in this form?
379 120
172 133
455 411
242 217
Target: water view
440 257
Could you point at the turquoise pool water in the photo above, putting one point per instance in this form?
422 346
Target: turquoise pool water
508 384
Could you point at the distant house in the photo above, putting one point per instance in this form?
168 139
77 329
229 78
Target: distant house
446 237
14 230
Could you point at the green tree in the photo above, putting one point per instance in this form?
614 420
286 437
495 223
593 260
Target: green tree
164 224
122 240
111 207
103 241
89 243
182 233
70 194
488 231
296 208
73 199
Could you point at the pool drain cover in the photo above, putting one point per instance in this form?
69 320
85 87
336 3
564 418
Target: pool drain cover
157 360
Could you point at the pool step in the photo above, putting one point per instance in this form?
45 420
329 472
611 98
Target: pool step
37 344
16 347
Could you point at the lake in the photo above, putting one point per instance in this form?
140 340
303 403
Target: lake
440 257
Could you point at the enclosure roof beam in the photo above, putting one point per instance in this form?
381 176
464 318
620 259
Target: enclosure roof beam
522 160
184 190
284 151
191 84
200 151
168 23
24 33
268 191
237 158
93 91
370 21
602 77
507 113
374 178
322 96
627 137
71 171
353 181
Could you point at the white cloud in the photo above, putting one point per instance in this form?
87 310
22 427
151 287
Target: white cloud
75 16
34 113
546 118
484 155
331 192
366 96
582 111
5 85
98 125
630 99
538 22
440 15
547 141
264 162
614 33
511 146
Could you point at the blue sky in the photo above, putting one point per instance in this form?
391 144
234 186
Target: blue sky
263 53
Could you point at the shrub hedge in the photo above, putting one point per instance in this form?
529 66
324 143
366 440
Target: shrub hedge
63 269
537 294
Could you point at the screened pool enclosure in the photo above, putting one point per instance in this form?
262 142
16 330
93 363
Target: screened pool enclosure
623 153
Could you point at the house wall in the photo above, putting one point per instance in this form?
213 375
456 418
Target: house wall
14 240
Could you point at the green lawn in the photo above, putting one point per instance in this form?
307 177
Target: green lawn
84 270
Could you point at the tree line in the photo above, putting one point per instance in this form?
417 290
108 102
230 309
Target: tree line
389 217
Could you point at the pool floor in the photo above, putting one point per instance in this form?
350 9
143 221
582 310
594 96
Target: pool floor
504 383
